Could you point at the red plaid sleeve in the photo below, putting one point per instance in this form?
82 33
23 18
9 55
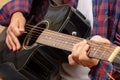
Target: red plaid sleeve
8 9
103 71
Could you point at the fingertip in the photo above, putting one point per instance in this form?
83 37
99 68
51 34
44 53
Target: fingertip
71 61
8 44
86 47
84 41
21 30
69 56
13 49
18 47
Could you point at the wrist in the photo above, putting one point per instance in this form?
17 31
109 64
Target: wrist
17 14
94 63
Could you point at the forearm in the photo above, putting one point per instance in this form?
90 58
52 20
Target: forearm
23 6
13 6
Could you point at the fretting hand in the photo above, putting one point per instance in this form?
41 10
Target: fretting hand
79 53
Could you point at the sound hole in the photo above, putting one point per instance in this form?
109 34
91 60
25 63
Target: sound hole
34 33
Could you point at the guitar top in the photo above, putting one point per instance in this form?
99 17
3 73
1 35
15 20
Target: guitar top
44 57
62 27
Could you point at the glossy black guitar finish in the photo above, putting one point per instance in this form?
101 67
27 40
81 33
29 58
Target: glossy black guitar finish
40 62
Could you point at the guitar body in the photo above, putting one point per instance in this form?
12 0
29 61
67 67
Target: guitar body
40 62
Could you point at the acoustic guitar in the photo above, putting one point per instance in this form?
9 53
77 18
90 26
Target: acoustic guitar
48 43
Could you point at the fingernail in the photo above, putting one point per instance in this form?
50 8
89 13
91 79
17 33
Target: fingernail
84 41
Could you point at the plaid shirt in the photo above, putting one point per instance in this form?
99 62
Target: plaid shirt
13 6
23 6
104 15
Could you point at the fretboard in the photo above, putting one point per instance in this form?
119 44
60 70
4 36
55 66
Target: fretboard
66 42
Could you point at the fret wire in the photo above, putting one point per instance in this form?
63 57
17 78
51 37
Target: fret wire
76 39
42 28
96 51
70 41
55 44
71 38
90 51
57 40
107 55
104 47
118 57
99 53
97 45
102 54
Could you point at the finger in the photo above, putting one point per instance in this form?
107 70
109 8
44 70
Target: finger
78 49
82 45
14 29
81 42
71 61
91 63
100 39
85 49
75 46
10 43
106 41
82 57
15 41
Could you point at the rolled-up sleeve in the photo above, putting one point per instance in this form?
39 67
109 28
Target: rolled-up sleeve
116 39
13 6
101 71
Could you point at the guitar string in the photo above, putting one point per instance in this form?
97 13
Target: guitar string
101 48
78 40
37 31
63 36
73 38
29 27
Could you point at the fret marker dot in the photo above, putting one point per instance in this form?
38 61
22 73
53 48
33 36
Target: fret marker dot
94 49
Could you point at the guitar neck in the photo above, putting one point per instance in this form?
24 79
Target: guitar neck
66 42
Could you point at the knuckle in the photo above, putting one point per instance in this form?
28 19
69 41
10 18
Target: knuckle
75 55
